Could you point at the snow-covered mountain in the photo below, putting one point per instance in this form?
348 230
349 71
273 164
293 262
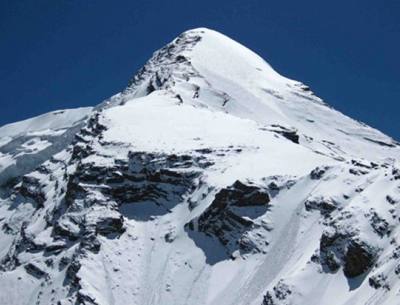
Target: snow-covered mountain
211 179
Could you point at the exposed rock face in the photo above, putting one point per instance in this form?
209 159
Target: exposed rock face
231 215
379 281
88 200
318 173
280 294
288 133
344 249
325 205
171 59
359 258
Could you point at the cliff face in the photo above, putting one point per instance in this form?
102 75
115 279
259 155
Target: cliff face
211 179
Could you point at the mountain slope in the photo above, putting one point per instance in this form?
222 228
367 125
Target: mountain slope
211 179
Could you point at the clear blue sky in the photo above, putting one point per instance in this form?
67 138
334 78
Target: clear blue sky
63 54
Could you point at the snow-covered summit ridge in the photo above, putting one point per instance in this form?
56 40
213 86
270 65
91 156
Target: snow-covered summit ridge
202 50
206 49
204 68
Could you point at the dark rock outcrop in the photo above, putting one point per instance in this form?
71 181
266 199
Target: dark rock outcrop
378 281
279 295
318 172
231 215
324 205
358 258
289 133
344 250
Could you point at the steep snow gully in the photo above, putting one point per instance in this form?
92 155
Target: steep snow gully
210 180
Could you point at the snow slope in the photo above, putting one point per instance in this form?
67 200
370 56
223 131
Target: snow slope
25 145
211 179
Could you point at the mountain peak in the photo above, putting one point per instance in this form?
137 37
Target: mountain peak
204 68
210 180
201 50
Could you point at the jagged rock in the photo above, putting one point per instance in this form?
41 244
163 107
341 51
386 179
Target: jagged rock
290 134
396 173
72 271
331 250
362 163
379 281
30 187
170 57
170 236
282 291
391 200
67 228
56 247
242 195
275 184
91 243
268 299
85 299
108 225
358 172
230 215
64 262
358 258
35 271
380 225
381 143
397 270
325 205
318 172
339 249
396 253
279 296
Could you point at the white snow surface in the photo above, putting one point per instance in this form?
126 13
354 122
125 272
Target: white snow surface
55 120
39 137
230 117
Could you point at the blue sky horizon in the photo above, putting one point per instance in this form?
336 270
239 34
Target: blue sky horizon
67 54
